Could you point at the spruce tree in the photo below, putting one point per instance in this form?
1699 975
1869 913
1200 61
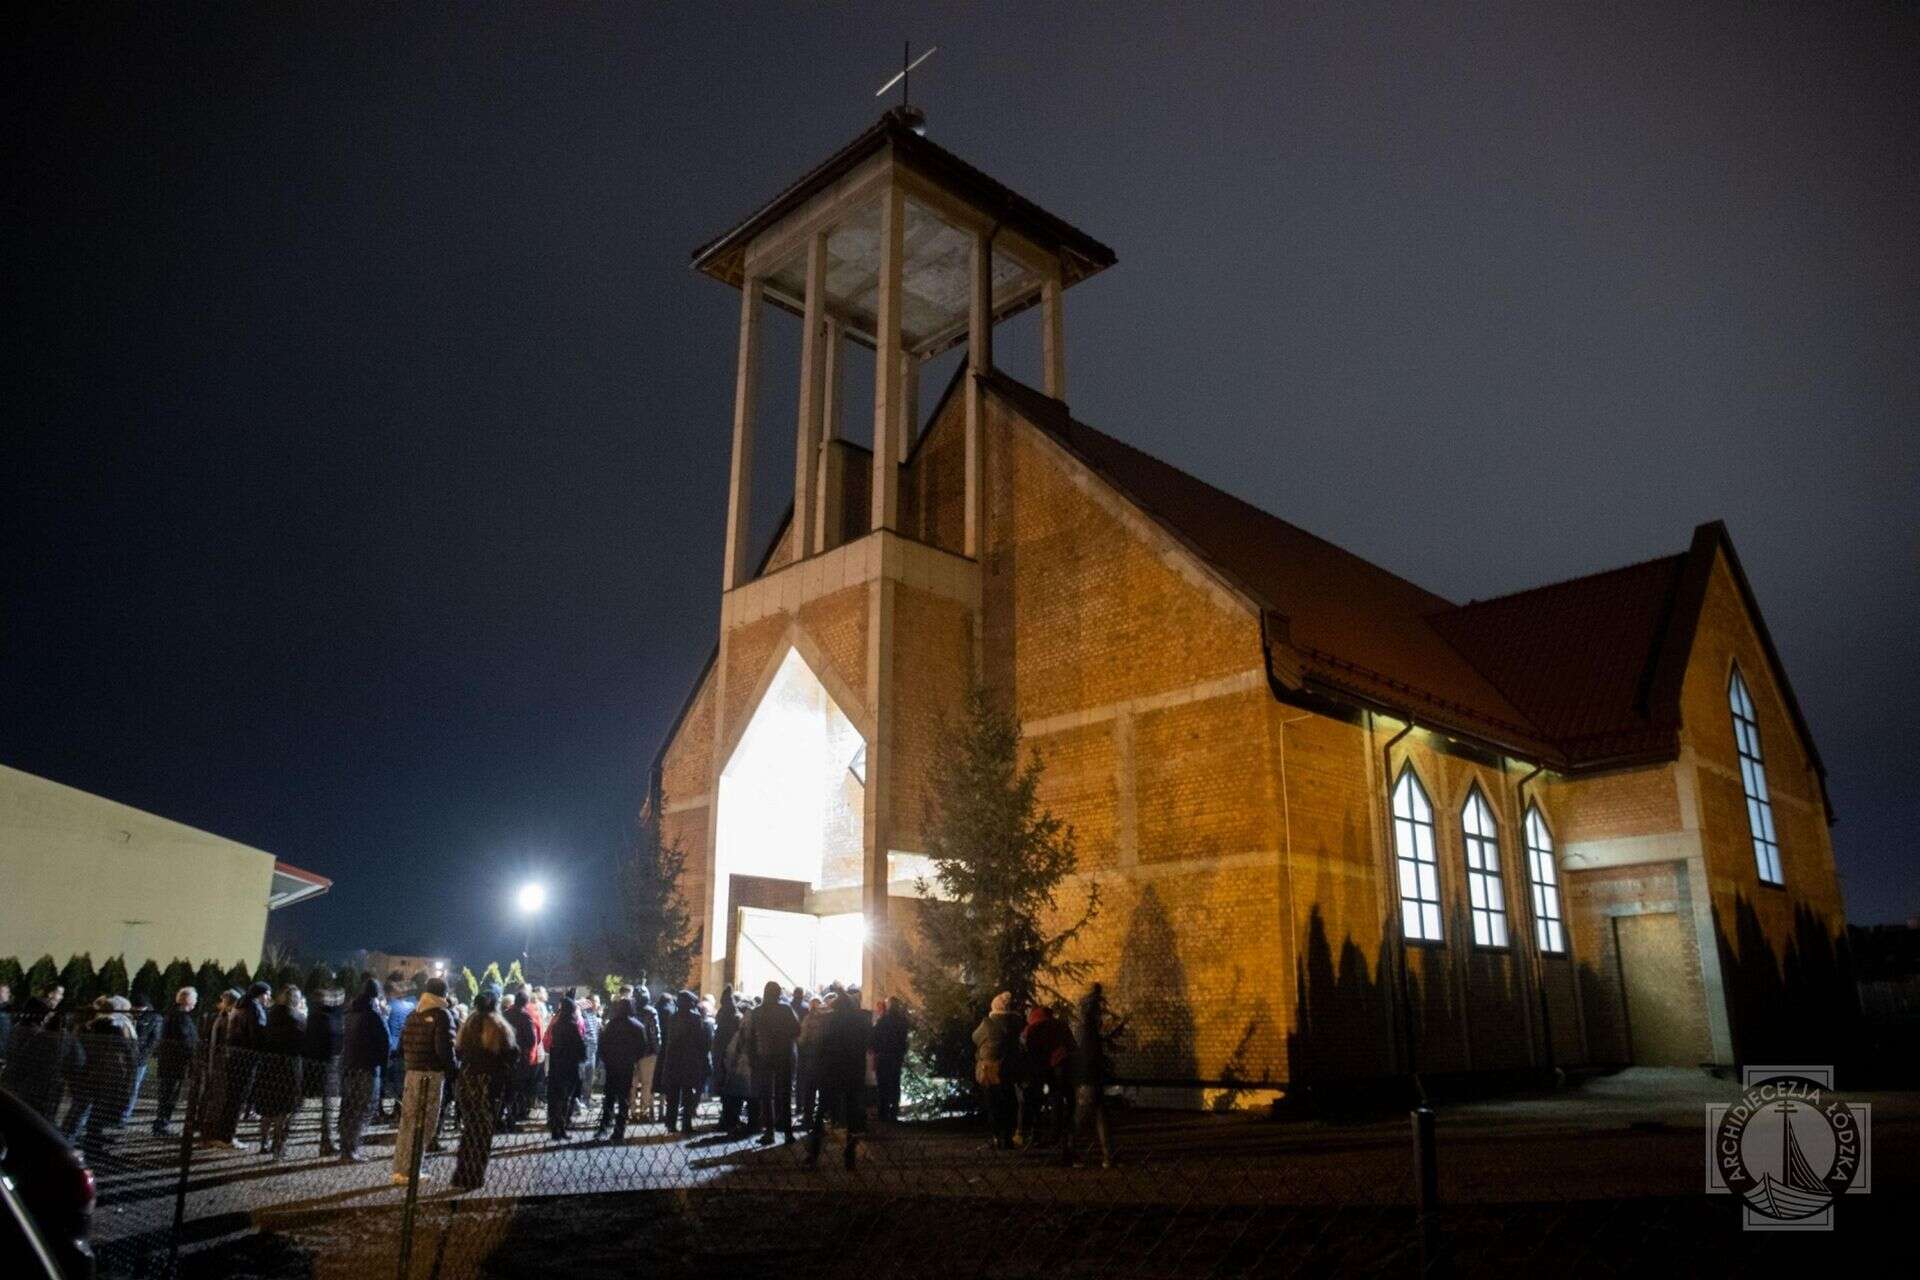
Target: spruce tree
237 977
990 914
179 974
112 978
491 978
44 971
210 981
80 980
653 937
515 979
13 977
149 983
472 983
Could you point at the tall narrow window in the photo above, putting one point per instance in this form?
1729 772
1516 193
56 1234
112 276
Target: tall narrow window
1549 932
1753 776
1485 896
1413 849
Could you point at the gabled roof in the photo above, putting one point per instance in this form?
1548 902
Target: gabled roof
1080 254
1579 675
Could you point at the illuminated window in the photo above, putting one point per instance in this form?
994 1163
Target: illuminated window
1753 776
1549 932
1485 896
1414 850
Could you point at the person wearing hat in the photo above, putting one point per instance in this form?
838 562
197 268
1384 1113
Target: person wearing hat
426 1047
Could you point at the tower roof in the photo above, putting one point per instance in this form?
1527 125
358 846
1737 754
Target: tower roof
948 203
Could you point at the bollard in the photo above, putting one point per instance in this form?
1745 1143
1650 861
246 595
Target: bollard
1426 1171
1426 1187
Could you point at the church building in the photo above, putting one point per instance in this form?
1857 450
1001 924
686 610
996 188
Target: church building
1343 828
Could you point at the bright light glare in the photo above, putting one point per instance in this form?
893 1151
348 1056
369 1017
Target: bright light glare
532 897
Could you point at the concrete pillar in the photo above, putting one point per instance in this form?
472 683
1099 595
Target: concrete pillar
877 818
806 444
746 388
1053 341
886 363
909 402
979 360
831 497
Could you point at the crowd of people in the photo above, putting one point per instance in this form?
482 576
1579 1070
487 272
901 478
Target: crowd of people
779 1063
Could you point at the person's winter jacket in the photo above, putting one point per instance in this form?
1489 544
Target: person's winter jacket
890 1034
426 1039
104 1064
525 1034
565 1043
689 1042
1047 1042
320 1046
247 1026
650 1023
146 1032
363 1039
487 1046
843 1046
996 1049
277 1088
399 1009
623 1041
179 1038
771 1032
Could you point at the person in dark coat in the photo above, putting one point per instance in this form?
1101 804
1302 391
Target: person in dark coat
590 1023
842 1075
566 1046
729 1085
685 1060
641 1106
36 1053
996 1068
889 1056
623 1042
426 1051
246 1035
101 1072
488 1053
1090 1072
320 1047
772 1031
146 1032
1047 1049
277 1087
526 1034
363 1053
663 1009
173 1055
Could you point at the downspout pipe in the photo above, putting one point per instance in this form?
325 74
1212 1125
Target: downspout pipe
1399 914
1539 961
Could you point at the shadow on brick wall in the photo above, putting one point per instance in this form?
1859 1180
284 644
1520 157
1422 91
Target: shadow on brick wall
1151 988
1791 1004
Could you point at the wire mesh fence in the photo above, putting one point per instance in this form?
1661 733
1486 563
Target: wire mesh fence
241 1162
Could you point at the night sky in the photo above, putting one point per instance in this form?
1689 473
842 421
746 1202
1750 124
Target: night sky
366 440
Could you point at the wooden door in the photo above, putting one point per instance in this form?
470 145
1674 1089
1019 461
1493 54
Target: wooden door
1660 980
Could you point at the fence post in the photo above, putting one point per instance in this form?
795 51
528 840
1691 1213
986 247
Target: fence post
189 1124
1426 1184
413 1177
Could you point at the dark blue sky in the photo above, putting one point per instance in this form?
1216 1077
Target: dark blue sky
366 431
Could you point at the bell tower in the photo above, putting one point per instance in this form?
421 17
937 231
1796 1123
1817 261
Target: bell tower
899 246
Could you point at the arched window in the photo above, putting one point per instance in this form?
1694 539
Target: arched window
1486 897
1413 849
1549 932
1753 776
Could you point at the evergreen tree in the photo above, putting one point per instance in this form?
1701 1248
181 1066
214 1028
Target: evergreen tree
80 980
179 974
237 977
149 983
210 981
998 862
43 972
318 979
515 978
491 978
112 978
472 983
13 977
653 936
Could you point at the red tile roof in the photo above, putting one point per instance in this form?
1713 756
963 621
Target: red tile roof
1582 674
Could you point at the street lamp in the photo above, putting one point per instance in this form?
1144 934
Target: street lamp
531 899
